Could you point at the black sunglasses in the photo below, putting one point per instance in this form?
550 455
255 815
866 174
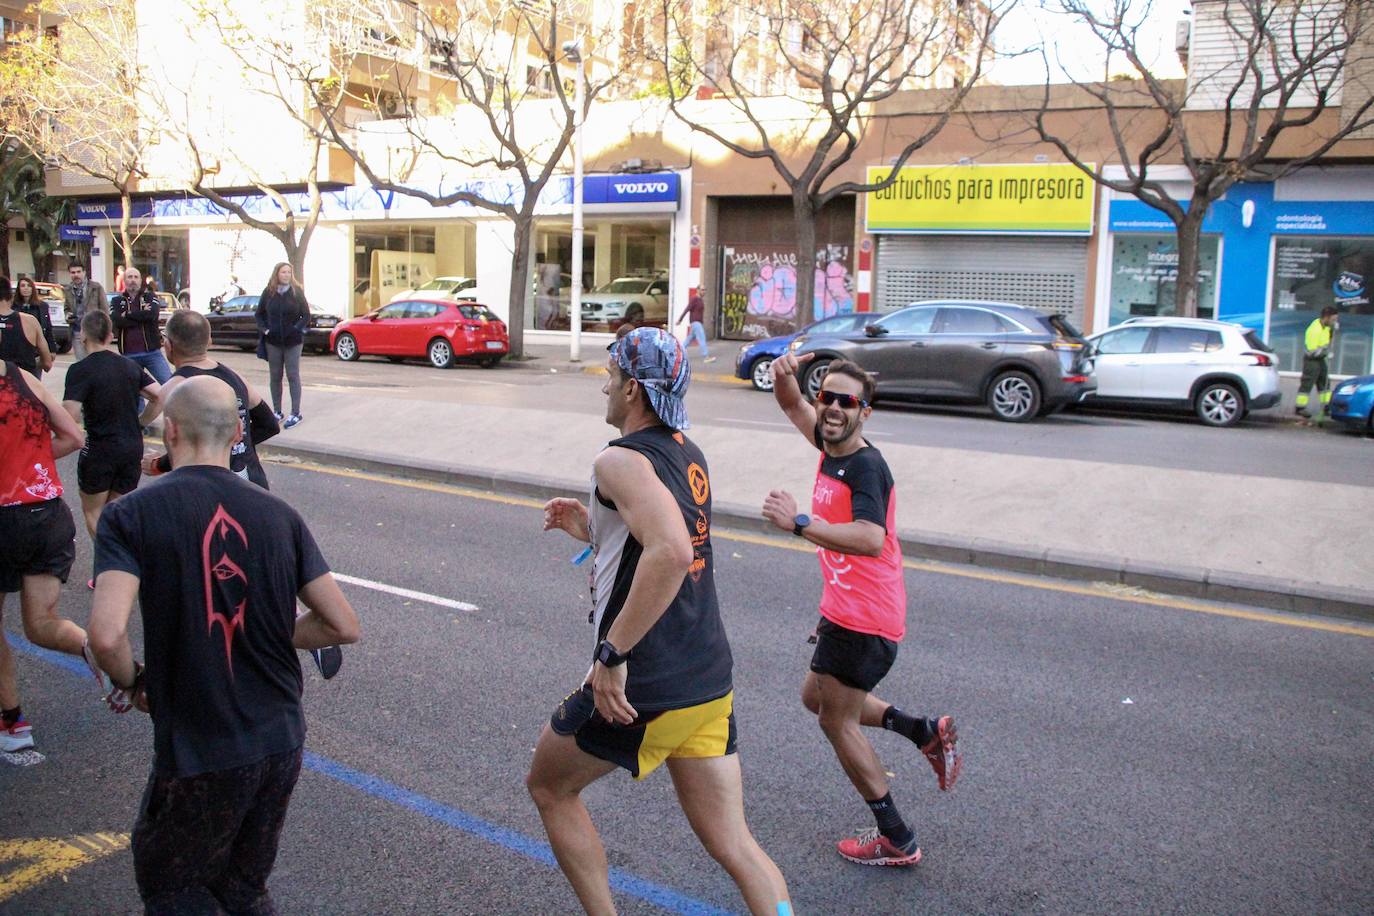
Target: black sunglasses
844 400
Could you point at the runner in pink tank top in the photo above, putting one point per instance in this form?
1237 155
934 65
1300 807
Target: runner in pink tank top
37 533
853 523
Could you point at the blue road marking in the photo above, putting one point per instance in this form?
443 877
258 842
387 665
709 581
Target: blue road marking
622 881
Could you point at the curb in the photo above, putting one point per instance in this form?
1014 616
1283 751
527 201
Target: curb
1183 581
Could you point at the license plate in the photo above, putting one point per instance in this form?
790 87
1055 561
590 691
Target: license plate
495 345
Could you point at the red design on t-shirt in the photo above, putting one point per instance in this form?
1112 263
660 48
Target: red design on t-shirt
28 473
226 584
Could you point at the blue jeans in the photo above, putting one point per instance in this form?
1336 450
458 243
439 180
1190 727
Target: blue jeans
157 367
698 333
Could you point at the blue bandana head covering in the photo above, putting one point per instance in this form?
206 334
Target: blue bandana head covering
654 358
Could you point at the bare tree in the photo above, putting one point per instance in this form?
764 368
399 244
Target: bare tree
485 90
72 94
802 79
1267 69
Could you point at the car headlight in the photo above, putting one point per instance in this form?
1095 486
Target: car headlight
796 345
744 347
1345 388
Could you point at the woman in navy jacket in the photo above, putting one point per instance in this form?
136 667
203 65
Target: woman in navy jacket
283 317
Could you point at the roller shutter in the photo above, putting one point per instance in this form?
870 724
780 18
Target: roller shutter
1046 273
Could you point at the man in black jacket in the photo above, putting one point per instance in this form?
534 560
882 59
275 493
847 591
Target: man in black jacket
135 313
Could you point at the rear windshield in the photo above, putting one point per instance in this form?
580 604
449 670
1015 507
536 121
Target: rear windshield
477 312
1062 326
1253 340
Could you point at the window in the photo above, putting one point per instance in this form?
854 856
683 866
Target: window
477 312
241 304
909 321
659 289
1186 340
395 310
970 321
1309 274
1145 276
1125 341
421 310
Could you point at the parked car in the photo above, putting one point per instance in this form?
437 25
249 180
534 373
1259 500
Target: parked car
756 357
628 299
1021 362
235 324
1216 369
457 288
62 331
441 330
1352 403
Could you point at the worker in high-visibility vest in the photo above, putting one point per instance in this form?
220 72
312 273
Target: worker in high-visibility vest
1316 361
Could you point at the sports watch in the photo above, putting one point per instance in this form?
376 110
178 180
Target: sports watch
799 524
608 655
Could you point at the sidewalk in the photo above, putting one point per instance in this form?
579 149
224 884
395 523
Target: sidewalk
1216 536
1222 537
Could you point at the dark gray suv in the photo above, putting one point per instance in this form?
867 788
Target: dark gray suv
1021 362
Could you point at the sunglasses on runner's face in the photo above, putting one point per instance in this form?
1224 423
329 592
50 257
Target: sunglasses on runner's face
845 401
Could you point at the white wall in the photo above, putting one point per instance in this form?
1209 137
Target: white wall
216 252
495 243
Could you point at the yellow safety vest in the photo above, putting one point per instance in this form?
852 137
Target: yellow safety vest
1317 339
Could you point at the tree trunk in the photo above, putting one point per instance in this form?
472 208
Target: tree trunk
519 282
127 249
1189 233
295 256
804 216
4 248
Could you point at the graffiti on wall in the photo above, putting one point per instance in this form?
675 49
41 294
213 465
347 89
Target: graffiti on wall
759 290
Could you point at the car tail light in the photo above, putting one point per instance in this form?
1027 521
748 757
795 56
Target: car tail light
1075 379
1261 359
472 326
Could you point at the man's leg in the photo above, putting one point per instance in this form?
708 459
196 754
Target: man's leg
1310 368
242 886
42 626
711 792
92 504
9 692
558 774
840 712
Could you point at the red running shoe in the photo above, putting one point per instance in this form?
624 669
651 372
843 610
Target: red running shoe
17 736
872 848
943 754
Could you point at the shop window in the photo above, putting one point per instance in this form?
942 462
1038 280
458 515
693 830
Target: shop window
1310 274
1145 276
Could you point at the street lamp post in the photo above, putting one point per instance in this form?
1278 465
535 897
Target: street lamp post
573 49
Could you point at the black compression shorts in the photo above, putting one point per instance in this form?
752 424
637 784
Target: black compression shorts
40 540
855 659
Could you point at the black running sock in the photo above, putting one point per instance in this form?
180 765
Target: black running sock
890 823
917 728
11 716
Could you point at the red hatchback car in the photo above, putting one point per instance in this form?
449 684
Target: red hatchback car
443 332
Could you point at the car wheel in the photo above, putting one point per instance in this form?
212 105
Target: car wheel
815 377
761 373
489 362
64 347
1014 397
634 315
346 348
1219 404
440 353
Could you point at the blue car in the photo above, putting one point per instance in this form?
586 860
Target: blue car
756 357
1352 403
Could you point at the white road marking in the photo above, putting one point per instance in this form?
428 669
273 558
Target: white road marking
405 593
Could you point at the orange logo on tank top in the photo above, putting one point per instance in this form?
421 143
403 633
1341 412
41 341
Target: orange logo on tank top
701 486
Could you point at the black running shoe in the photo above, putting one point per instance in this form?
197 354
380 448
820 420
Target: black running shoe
329 660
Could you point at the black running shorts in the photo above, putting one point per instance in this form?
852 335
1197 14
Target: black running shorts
39 540
704 730
106 472
856 660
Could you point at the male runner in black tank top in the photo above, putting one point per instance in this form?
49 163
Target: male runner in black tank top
186 340
659 689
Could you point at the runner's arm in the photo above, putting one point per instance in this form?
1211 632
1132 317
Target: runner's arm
567 515
153 394
33 330
787 392
73 408
108 627
67 435
262 423
655 521
860 537
330 620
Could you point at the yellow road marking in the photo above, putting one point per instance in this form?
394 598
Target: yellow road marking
1006 578
43 859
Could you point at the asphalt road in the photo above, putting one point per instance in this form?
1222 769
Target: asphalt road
1254 448
1122 756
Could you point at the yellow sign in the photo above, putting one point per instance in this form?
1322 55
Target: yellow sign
1049 199
25 864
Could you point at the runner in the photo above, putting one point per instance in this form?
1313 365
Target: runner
222 679
103 389
863 600
37 534
659 688
187 339
21 336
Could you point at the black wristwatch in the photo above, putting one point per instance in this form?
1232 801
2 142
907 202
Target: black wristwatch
799 524
609 656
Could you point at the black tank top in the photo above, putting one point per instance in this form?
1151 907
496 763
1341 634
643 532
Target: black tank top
243 458
14 346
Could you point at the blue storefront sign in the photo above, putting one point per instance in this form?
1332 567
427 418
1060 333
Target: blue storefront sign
367 203
70 232
1275 274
